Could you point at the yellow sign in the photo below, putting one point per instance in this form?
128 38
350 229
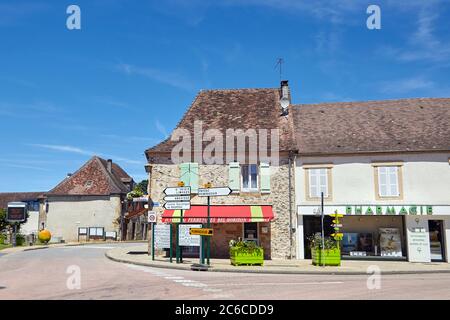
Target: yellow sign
181 184
336 215
200 232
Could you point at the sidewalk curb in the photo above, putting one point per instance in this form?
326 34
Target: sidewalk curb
300 272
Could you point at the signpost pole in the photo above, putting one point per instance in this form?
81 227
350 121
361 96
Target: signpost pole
208 239
323 233
13 240
153 241
170 249
176 244
181 249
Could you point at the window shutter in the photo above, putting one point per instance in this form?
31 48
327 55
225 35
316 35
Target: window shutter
193 177
264 170
382 181
393 181
234 175
323 182
184 173
313 185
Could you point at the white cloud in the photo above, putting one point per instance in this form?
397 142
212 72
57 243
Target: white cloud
76 150
166 77
406 85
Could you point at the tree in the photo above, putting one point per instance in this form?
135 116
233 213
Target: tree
3 223
142 186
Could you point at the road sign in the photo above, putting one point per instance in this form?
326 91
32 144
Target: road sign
201 231
177 191
177 205
336 215
151 217
162 236
214 192
177 198
337 225
17 212
337 236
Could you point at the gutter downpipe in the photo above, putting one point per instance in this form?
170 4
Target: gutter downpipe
290 205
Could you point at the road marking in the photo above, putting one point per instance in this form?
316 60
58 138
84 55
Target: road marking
172 278
85 247
276 283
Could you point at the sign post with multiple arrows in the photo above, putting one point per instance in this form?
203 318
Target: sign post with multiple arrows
178 198
209 192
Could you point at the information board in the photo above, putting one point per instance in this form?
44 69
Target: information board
187 240
162 236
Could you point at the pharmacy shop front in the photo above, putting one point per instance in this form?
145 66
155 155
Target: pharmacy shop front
415 233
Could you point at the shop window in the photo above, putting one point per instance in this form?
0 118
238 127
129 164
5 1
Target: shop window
249 174
318 181
388 181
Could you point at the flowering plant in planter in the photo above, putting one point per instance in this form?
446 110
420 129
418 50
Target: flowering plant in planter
246 253
326 252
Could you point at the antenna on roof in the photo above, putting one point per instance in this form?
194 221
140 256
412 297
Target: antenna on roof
279 64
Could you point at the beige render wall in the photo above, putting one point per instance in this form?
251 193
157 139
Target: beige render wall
167 175
66 214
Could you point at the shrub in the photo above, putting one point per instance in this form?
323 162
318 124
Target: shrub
315 242
20 239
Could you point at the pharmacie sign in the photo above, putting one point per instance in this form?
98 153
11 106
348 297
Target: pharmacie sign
378 209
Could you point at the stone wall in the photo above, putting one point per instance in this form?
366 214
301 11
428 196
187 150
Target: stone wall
167 175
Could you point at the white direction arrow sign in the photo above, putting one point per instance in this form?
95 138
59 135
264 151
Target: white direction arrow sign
211 192
180 205
177 191
177 198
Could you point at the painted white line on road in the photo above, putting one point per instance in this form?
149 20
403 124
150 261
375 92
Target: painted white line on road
212 290
172 278
276 283
84 247
195 284
221 296
182 280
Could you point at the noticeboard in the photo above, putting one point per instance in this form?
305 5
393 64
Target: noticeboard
162 236
17 212
185 238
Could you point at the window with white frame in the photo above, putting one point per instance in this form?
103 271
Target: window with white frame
388 182
318 182
249 174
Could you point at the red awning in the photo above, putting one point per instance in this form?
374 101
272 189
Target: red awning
220 214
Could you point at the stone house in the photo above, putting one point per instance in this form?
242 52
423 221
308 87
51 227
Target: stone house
384 165
262 205
91 201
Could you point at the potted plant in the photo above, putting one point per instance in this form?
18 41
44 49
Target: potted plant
246 253
326 252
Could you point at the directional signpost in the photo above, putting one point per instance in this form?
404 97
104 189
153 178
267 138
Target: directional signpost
210 192
337 225
201 231
178 198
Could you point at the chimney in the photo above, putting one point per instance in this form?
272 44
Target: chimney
109 166
285 98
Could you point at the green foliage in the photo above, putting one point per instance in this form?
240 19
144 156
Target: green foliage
3 223
20 239
142 186
315 242
248 247
2 238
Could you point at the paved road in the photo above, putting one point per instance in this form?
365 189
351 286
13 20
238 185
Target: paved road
42 274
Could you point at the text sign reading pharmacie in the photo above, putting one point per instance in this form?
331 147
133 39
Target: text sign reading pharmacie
177 191
185 238
378 209
162 236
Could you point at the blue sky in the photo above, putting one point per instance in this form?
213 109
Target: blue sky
121 83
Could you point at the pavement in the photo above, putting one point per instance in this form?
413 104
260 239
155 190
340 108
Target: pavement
137 255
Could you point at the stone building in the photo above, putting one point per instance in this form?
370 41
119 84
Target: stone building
90 200
262 205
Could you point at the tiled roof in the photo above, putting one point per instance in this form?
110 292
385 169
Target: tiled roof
18 197
404 125
93 178
234 109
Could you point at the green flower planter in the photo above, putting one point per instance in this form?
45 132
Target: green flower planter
239 256
329 257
